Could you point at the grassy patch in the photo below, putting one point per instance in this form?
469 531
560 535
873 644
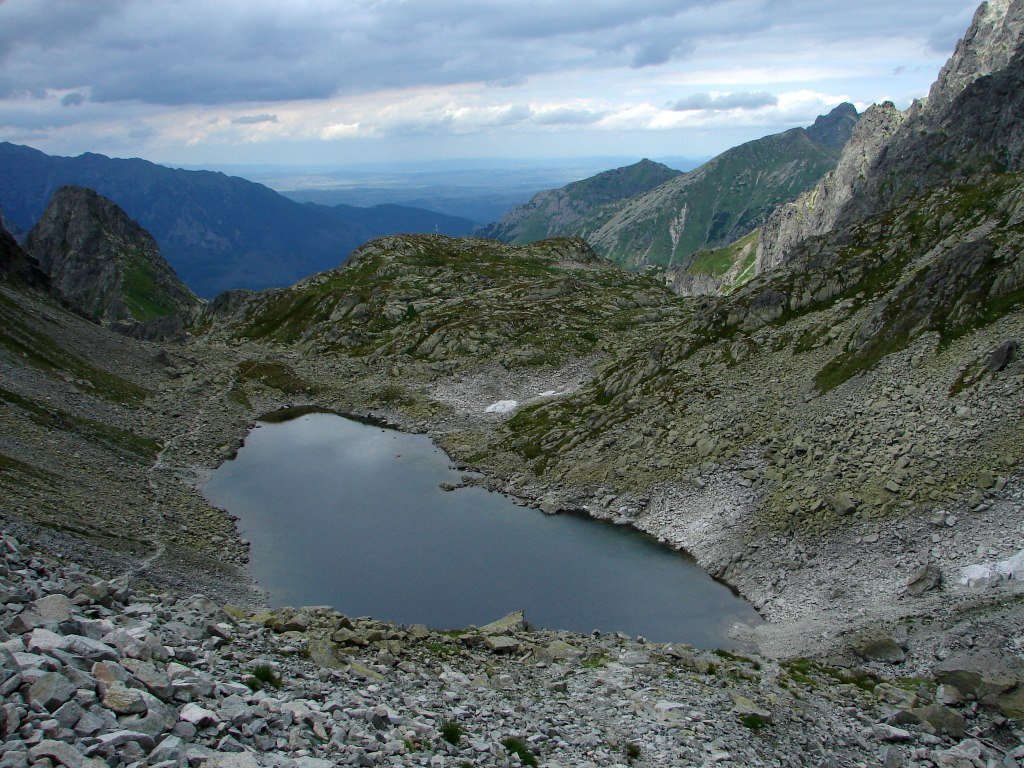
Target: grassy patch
452 732
632 751
753 721
517 746
105 435
26 472
145 298
595 662
263 676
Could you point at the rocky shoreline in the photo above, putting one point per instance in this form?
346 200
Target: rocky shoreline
95 673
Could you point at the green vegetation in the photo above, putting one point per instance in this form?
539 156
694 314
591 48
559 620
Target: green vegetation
25 473
517 746
595 662
144 296
452 731
811 673
632 751
43 352
753 721
263 676
105 435
725 200
718 261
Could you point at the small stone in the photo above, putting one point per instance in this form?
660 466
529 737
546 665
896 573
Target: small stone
193 713
51 691
58 751
924 579
124 700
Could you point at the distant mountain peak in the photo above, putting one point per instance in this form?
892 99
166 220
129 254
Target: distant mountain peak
834 129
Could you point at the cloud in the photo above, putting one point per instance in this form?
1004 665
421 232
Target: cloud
720 102
254 119
259 51
159 75
566 116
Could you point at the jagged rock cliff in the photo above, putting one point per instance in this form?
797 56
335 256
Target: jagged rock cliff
969 125
104 263
815 211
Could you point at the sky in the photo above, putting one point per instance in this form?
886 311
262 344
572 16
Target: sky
336 82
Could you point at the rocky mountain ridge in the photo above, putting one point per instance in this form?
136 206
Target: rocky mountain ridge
967 127
103 263
724 199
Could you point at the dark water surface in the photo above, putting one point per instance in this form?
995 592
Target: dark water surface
350 515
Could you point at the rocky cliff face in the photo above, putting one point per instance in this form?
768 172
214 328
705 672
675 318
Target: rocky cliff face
968 126
104 263
816 211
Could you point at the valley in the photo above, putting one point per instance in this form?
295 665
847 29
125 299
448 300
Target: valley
837 436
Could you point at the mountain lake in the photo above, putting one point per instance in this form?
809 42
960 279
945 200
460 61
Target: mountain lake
352 515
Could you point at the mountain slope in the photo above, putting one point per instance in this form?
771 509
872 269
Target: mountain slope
721 201
553 211
218 232
104 263
16 266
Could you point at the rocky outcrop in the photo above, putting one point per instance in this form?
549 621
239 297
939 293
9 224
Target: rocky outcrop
18 267
103 263
968 126
816 211
988 46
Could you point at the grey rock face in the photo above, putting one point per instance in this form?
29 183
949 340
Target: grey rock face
970 123
102 262
817 211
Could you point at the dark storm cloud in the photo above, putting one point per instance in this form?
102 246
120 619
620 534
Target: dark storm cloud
192 51
724 101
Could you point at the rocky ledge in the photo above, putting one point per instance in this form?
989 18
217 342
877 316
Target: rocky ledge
93 673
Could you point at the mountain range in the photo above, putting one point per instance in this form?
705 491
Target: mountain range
647 215
217 231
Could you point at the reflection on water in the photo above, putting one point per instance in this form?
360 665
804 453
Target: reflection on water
351 515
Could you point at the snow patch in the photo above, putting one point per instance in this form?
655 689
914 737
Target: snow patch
985 574
502 406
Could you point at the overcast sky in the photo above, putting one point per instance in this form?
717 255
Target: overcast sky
340 81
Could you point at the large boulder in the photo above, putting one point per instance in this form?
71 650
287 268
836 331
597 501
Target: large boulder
993 677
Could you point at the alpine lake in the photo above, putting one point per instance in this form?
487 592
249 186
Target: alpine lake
353 515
